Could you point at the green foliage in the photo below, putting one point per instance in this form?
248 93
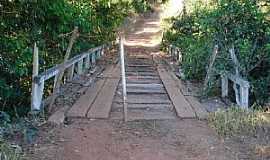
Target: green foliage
243 25
141 5
23 22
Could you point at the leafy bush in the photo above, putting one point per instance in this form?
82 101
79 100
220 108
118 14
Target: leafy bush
43 21
242 25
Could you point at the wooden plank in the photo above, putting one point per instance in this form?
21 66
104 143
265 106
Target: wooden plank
136 77
200 111
140 69
139 65
102 104
147 107
145 99
141 74
145 91
81 107
143 81
182 107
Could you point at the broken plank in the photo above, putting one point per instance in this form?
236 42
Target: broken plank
182 107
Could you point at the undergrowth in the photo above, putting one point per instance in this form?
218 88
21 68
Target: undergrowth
9 152
236 121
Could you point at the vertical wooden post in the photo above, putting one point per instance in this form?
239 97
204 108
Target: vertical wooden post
224 86
123 76
35 101
71 72
102 50
210 68
87 62
98 54
93 59
80 67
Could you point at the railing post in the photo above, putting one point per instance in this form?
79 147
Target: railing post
224 86
87 62
102 50
80 67
37 89
244 95
93 59
122 56
71 72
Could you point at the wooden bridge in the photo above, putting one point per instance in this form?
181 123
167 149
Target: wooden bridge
153 91
150 90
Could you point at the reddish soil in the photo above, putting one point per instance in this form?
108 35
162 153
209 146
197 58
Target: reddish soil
138 140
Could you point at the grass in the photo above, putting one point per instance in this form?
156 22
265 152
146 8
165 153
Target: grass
237 121
9 152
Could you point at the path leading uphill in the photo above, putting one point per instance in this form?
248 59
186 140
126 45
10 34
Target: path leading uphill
163 124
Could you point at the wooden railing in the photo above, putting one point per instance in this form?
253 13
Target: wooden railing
82 62
241 85
175 53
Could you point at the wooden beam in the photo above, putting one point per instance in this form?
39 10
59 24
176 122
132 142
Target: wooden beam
182 107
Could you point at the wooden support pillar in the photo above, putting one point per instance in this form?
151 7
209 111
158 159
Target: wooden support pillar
224 86
93 59
87 62
244 95
37 88
102 50
80 67
71 72
98 54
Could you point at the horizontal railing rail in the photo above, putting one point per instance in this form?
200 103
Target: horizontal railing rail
83 61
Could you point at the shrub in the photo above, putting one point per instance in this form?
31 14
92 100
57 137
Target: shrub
242 25
236 121
24 22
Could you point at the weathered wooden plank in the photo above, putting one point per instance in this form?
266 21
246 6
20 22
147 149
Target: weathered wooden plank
140 65
137 77
143 81
102 104
146 107
140 69
145 91
182 107
141 74
145 99
81 107
200 111
148 85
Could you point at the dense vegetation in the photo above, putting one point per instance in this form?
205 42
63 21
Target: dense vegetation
240 24
23 22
